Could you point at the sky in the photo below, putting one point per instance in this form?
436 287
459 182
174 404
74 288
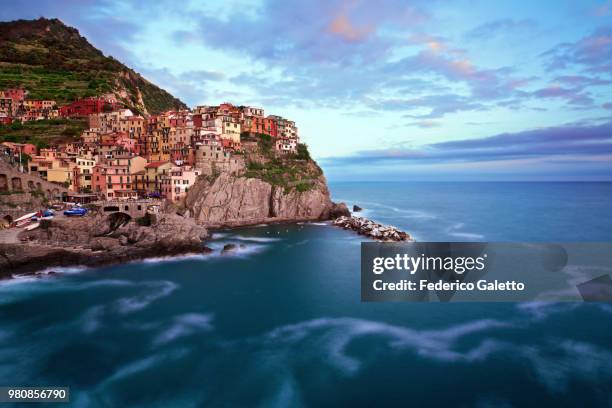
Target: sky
387 89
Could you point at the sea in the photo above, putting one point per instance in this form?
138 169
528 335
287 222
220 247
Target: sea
279 321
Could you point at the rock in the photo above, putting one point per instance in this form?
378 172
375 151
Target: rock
339 210
207 250
357 208
366 227
228 248
99 240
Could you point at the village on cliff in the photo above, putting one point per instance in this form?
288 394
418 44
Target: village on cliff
126 156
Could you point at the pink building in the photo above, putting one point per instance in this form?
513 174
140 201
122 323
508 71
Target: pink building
176 184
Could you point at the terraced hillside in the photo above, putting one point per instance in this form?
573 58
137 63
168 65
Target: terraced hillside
53 61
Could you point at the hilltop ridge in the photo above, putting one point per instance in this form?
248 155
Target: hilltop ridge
54 62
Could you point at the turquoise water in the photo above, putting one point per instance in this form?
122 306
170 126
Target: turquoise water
280 323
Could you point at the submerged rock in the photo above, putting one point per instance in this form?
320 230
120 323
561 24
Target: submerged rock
369 228
357 208
228 248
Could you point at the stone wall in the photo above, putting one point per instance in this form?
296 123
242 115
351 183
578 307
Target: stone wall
12 180
21 193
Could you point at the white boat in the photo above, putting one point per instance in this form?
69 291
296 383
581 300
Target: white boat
26 219
32 226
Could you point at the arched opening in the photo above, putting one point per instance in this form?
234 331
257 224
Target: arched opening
38 186
3 183
16 184
31 185
118 219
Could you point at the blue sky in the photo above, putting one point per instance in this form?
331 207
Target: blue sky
386 90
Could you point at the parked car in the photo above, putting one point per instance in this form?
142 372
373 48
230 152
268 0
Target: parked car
76 212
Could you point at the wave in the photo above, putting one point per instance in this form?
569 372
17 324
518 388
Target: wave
556 363
255 239
313 223
172 258
184 325
339 332
467 235
133 304
451 231
60 270
144 364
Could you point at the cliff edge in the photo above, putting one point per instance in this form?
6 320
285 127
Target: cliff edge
270 188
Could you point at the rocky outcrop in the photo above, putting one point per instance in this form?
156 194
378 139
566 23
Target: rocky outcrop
369 228
339 210
229 201
98 240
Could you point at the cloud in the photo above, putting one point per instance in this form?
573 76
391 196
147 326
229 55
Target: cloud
593 52
425 124
496 27
603 10
574 142
572 95
437 105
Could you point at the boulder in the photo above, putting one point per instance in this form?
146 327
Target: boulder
357 208
339 210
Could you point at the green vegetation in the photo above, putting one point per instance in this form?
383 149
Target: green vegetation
53 62
302 152
42 133
282 171
48 84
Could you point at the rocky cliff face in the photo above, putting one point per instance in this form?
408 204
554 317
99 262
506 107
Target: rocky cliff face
229 201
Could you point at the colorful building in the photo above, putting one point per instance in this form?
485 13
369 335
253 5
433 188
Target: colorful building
177 182
83 107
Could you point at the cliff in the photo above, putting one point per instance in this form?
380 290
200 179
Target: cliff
270 187
230 201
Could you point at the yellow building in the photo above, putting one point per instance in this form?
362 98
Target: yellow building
230 129
60 172
85 167
154 172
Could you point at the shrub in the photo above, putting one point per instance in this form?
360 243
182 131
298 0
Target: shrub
144 221
302 187
302 152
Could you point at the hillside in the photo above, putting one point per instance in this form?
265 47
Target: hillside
53 61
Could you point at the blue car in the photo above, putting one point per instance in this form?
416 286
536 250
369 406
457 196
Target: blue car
75 212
